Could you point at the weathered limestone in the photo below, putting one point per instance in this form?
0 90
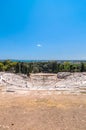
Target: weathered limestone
65 82
62 75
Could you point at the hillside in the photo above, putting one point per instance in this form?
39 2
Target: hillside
61 82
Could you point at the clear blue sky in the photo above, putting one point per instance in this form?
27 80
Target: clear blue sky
43 29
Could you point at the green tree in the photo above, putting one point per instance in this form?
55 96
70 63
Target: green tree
82 67
1 67
61 68
54 67
67 66
35 69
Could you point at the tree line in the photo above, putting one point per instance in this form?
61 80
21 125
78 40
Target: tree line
44 67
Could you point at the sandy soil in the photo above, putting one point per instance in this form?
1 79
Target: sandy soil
42 110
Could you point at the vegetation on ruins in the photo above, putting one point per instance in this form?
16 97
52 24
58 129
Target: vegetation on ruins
45 67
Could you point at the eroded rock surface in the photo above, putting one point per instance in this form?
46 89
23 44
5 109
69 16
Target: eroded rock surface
62 75
62 82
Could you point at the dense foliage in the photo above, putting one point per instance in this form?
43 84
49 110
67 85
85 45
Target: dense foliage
45 67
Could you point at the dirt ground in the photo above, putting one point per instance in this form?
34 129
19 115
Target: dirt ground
42 110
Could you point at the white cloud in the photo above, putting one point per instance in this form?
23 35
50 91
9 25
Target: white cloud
39 45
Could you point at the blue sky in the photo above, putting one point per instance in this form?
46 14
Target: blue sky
43 29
